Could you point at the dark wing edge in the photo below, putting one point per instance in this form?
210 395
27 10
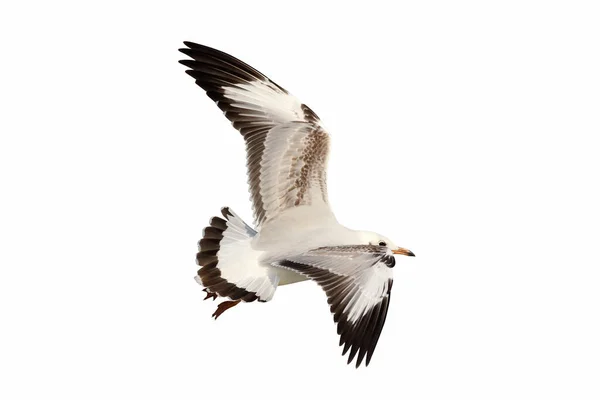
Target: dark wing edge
215 72
360 336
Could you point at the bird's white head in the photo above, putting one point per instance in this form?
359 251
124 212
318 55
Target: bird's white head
375 239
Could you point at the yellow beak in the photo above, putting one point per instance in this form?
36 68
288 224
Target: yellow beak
403 252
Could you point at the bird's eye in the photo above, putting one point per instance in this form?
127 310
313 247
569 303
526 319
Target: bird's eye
382 243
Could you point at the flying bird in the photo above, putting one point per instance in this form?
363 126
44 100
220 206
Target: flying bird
296 235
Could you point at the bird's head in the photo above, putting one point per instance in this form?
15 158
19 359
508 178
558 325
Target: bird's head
375 239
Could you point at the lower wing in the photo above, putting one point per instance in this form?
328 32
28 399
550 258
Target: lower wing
358 282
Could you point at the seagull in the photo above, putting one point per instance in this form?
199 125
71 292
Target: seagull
296 235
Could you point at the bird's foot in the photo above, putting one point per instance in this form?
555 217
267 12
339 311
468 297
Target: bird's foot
209 295
224 306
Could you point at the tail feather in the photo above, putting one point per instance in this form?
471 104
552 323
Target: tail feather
229 264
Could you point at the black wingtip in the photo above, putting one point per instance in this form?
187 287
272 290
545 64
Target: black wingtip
346 348
191 45
187 52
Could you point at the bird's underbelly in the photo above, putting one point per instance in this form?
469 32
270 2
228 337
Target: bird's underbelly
287 277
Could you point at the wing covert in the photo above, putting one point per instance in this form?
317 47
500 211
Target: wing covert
286 145
358 282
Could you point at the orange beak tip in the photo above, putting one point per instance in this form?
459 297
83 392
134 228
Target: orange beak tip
404 252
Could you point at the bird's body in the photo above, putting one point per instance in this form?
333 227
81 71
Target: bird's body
297 236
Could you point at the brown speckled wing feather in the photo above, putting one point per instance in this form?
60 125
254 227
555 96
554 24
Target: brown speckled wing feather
286 145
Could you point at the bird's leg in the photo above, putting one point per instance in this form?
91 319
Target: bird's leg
209 295
224 306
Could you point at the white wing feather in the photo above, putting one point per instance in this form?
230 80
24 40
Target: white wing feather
286 144
358 282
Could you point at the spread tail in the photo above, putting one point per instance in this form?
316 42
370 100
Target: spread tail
230 266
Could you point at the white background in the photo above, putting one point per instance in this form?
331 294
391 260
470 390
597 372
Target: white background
466 131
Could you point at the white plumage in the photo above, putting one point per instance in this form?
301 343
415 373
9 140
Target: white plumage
297 236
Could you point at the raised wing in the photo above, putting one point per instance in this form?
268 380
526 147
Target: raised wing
358 282
286 145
